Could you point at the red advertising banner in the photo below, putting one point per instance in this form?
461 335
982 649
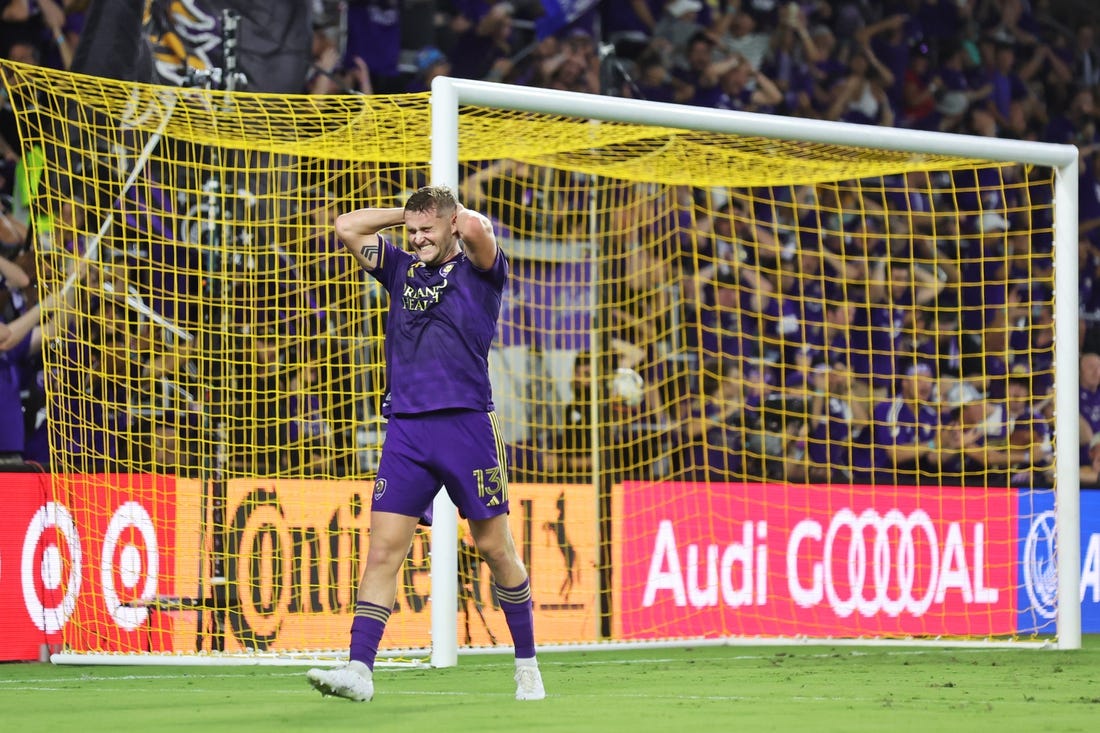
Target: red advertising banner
35 589
127 534
81 556
714 560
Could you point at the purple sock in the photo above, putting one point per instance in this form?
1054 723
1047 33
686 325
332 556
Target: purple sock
517 607
366 631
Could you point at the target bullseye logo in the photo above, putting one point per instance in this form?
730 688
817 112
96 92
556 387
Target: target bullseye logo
51 522
130 548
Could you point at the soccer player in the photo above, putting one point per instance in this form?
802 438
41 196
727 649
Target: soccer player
445 300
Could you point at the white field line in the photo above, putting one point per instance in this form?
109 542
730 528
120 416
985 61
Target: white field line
770 699
544 661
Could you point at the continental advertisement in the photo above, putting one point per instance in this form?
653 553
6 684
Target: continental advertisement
138 563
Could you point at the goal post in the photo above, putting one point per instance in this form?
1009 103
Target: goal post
213 385
449 94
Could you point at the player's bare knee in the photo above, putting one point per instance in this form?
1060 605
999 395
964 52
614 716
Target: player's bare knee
504 563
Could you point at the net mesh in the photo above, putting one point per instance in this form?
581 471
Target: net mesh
748 386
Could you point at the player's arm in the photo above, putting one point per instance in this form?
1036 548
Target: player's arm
476 232
358 231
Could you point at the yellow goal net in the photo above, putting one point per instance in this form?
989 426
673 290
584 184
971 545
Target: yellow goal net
751 385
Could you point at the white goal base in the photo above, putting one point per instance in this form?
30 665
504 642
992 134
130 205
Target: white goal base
419 658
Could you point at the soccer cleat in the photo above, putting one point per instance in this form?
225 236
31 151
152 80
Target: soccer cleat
529 683
346 682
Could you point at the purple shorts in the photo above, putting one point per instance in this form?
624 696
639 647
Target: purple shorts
459 449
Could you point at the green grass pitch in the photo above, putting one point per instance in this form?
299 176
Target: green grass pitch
694 690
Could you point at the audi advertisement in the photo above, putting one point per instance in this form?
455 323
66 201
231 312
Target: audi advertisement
79 554
715 560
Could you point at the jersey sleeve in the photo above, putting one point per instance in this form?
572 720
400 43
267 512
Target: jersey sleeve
392 262
497 275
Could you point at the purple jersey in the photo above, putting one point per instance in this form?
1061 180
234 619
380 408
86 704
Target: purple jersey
441 324
11 405
374 35
1089 406
875 343
896 423
828 442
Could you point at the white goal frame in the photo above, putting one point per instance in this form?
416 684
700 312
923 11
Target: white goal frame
448 94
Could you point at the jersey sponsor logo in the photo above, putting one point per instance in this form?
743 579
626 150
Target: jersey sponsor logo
422 298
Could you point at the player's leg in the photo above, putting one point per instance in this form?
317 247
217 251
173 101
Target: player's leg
402 493
513 586
476 478
390 537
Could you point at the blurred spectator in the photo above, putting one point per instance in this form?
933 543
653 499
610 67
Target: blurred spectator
373 42
675 29
1090 470
839 424
1030 434
794 51
576 68
430 63
329 74
572 446
654 81
920 86
737 33
307 437
38 23
1089 402
906 430
14 348
1084 57
483 51
697 80
862 97
747 89
1077 125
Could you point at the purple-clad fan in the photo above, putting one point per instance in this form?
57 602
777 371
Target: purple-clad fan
906 429
12 352
1089 402
445 298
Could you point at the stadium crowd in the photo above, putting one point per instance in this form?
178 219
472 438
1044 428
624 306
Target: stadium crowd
825 353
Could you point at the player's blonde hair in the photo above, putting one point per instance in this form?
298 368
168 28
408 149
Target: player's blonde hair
440 199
